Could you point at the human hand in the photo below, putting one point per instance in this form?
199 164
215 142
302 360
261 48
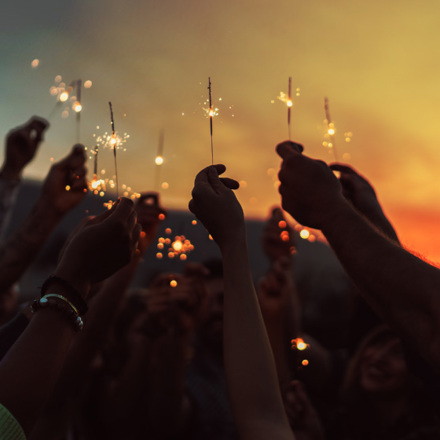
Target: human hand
149 215
309 190
215 205
301 414
21 145
361 194
65 185
278 237
100 247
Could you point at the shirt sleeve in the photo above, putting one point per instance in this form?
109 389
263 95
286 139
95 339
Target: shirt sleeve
10 429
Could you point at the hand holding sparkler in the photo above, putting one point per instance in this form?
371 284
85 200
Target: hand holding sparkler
21 145
278 237
65 186
101 246
149 214
309 190
215 205
361 194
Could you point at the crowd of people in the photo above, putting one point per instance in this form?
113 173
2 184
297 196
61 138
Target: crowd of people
211 353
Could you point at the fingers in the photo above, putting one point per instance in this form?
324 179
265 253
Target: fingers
202 176
230 183
342 168
285 149
75 159
123 210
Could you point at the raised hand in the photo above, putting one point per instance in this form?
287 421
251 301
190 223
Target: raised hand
149 215
101 246
65 186
310 191
21 145
278 239
361 194
215 205
302 415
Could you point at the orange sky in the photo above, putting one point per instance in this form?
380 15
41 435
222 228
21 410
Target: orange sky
378 62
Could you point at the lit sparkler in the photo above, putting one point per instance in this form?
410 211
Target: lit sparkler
159 160
330 135
288 100
77 107
211 115
113 143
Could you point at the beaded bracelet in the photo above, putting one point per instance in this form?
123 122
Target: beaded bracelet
76 298
59 302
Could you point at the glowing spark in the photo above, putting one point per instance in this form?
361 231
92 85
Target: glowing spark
77 106
159 160
304 234
64 96
287 99
173 283
87 84
305 362
299 344
35 63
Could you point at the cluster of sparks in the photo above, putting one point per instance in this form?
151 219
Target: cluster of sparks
68 96
285 234
178 247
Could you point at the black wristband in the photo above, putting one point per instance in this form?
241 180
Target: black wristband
75 297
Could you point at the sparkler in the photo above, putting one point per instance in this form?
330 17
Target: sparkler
289 106
113 142
288 100
159 160
211 115
330 129
77 107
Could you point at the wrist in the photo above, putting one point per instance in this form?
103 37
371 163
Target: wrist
336 216
71 277
10 173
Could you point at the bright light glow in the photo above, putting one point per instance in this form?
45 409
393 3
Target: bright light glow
304 234
305 362
77 106
159 160
87 84
173 283
177 245
331 131
35 63
64 97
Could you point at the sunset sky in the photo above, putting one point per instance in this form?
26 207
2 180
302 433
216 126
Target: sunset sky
378 62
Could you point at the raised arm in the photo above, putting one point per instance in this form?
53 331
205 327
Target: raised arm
63 189
30 370
402 288
249 364
20 148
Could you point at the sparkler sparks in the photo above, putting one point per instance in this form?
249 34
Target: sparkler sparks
330 133
331 130
177 248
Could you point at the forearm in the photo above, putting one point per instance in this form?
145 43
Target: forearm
399 286
21 249
44 346
250 369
